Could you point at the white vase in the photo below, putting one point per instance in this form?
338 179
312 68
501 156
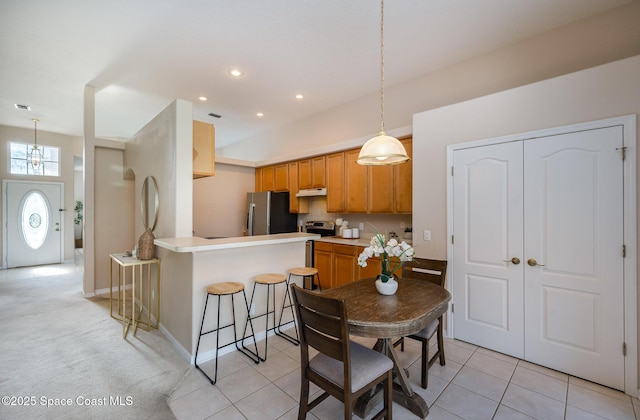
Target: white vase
387 288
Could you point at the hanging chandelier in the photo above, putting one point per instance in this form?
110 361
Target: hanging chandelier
382 149
34 157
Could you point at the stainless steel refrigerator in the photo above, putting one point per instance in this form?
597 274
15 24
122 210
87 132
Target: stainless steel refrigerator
268 213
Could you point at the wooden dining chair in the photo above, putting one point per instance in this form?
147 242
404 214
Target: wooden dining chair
434 271
342 368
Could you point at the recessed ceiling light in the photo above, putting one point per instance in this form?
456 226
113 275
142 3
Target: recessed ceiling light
25 107
202 98
299 96
260 114
235 72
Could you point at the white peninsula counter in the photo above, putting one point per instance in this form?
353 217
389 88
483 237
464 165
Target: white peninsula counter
190 264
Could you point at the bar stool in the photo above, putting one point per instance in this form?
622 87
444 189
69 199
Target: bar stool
229 288
271 280
306 273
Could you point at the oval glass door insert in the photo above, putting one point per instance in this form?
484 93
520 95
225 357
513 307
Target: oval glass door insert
34 219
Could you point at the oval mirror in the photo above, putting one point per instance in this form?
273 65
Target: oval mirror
149 203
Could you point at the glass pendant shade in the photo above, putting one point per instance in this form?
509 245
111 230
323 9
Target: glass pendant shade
382 150
34 156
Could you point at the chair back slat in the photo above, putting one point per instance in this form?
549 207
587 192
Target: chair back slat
324 344
323 323
434 271
322 332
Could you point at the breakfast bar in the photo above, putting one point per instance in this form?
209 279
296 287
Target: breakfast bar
190 264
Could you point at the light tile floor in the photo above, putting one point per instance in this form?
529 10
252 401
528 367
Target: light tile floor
475 383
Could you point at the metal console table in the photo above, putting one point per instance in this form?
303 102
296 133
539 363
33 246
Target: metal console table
131 296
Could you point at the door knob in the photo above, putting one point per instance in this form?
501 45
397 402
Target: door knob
532 262
514 260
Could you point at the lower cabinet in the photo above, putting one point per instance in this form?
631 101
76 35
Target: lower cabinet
337 264
345 264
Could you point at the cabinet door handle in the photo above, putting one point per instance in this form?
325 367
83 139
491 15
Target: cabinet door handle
514 260
532 262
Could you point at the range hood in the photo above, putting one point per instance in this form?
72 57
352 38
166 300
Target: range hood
313 192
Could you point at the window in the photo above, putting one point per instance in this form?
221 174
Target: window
18 160
35 219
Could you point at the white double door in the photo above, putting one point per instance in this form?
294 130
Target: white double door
538 251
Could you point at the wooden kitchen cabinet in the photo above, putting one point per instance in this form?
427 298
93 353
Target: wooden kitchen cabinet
203 149
337 264
323 261
281 177
335 164
355 183
304 174
318 171
345 264
312 173
373 268
293 185
351 188
268 178
296 205
403 181
381 189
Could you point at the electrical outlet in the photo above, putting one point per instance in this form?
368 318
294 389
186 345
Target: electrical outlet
361 226
252 309
402 225
427 235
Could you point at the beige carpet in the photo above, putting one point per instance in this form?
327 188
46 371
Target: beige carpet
58 347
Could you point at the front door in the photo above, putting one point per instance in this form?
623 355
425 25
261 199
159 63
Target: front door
538 265
33 220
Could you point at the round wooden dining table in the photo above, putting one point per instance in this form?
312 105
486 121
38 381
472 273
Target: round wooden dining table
414 306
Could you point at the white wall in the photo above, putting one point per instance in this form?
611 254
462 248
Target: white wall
114 205
587 43
606 91
163 149
219 201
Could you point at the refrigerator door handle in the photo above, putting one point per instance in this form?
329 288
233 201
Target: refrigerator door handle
252 207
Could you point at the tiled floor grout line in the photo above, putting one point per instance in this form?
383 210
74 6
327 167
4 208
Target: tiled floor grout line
473 351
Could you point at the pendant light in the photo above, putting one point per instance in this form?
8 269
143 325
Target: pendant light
382 149
34 156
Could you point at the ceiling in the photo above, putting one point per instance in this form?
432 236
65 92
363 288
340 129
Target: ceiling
141 55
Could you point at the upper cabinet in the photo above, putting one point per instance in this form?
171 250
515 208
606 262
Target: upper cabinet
335 182
281 177
351 188
304 174
311 173
355 183
296 205
403 182
203 149
268 178
380 197
318 171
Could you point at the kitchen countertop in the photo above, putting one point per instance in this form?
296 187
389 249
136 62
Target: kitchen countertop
197 244
345 241
364 242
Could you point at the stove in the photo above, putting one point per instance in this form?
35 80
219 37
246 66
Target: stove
322 228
